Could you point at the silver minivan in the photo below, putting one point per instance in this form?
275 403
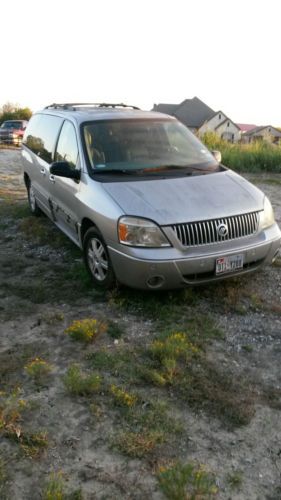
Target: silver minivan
143 198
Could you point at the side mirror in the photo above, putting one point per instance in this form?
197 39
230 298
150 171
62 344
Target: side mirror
63 169
217 155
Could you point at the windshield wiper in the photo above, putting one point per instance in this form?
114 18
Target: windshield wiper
122 171
162 170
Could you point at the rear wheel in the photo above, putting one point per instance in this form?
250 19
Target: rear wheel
35 210
97 260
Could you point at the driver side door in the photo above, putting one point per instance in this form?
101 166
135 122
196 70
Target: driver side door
64 191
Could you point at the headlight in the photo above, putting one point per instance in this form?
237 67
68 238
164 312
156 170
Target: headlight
267 215
140 233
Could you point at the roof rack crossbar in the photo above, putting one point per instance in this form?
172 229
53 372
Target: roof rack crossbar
74 105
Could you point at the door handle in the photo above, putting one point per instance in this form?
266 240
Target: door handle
52 178
43 171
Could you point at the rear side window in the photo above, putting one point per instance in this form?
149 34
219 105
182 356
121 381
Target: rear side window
67 149
41 135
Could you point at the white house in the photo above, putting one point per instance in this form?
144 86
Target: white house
223 126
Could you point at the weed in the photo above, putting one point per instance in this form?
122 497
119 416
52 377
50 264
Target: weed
75 495
96 410
78 274
152 375
78 383
256 301
122 397
37 292
33 443
165 308
229 399
53 318
256 157
121 362
13 361
174 346
277 262
138 444
247 348
235 480
44 232
168 352
153 415
3 476
54 489
228 295
85 330
114 330
272 397
12 407
35 229
186 482
38 370
15 209
273 182
148 426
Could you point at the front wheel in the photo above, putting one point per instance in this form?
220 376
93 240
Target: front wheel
35 210
97 260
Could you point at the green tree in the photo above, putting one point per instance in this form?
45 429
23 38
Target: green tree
10 111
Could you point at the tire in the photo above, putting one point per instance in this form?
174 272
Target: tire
97 260
34 209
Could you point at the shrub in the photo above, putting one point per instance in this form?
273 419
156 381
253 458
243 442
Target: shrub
121 397
259 156
79 383
38 369
186 482
85 330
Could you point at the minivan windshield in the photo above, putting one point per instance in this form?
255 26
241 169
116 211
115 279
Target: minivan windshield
144 145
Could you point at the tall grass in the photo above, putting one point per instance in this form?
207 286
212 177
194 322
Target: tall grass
260 156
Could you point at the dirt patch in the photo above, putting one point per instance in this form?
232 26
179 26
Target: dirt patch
188 377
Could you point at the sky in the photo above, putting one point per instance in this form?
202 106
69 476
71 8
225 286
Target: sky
142 52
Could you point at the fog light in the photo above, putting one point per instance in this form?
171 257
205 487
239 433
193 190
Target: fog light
155 281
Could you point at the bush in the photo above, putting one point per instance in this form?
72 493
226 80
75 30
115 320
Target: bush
85 330
259 156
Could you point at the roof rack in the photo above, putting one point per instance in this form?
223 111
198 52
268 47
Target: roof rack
74 105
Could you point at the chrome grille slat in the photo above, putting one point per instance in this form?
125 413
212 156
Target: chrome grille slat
192 235
196 234
182 234
205 232
246 224
243 225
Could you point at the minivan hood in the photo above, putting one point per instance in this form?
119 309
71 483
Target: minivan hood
187 199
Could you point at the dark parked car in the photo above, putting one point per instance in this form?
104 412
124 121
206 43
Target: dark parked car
11 131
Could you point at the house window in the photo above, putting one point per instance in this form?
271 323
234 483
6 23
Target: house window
219 116
228 124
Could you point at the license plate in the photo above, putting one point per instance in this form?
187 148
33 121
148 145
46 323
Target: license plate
229 264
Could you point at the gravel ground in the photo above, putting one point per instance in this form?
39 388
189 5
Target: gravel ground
246 460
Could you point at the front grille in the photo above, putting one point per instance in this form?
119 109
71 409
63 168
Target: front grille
206 232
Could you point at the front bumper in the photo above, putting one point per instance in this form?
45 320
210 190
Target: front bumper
6 139
136 267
